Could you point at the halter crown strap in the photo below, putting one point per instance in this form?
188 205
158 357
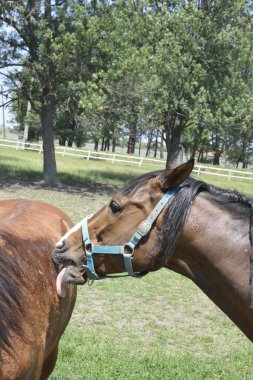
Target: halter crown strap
127 250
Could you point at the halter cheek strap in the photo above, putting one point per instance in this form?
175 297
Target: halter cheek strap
127 250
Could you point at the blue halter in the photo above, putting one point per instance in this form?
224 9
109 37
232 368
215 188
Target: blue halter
127 250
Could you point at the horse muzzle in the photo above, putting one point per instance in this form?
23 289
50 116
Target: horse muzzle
69 264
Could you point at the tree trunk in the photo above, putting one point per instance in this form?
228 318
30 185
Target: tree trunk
113 145
244 155
162 147
107 145
140 146
217 148
96 141
150 138
47 110
102 144
50 172
172 145
156 143
193 152
216 159
131 145
26 128
173 128
71 135
200 156
79 142
132 139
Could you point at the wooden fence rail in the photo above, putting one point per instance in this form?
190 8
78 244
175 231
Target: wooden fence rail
114 158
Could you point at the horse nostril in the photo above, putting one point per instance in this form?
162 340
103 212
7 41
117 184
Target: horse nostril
61 246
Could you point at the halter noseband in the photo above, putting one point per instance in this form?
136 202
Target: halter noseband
127 250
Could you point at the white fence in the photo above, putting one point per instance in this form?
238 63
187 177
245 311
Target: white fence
113 157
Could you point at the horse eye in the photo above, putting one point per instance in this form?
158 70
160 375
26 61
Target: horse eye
114 207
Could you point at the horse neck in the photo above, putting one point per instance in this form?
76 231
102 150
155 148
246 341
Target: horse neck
214 251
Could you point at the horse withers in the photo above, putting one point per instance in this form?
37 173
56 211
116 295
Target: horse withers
32 315
167 219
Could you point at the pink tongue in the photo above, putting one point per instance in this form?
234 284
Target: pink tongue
60 287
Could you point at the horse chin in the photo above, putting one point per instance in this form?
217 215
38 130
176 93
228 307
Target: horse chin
74 275
69 275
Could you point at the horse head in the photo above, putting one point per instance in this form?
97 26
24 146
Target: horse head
112 227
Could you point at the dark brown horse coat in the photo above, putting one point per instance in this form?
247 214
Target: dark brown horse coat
204 233
32 316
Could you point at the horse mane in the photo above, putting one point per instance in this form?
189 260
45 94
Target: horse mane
180 207
11 302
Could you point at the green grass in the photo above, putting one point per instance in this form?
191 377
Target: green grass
159 327
28 166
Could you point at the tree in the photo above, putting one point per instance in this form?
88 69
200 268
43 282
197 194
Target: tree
192 50
181 68
37 42
26 37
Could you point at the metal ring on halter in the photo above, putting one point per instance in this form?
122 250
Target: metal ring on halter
129 249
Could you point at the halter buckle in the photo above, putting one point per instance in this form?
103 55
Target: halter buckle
144 228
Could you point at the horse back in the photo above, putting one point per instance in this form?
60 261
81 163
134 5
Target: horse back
33 316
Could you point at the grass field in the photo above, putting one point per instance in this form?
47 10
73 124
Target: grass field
158 327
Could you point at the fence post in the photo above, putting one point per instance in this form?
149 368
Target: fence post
113 158
199 170
17 146
41 148
88 157
63 153
141 159
229 175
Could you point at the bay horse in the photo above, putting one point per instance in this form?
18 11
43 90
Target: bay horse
168 219
32 316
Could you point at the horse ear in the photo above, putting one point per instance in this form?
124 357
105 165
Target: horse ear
173 177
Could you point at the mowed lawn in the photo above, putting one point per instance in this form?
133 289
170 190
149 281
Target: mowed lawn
158 327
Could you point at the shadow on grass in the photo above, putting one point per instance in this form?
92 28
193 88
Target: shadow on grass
106 177
11 159
13 173
71 183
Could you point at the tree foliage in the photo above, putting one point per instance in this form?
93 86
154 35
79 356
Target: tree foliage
181 70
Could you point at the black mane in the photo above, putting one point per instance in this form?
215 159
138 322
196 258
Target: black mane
11 303
181 205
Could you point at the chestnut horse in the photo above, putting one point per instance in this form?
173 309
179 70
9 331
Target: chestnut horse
32 316
167 219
